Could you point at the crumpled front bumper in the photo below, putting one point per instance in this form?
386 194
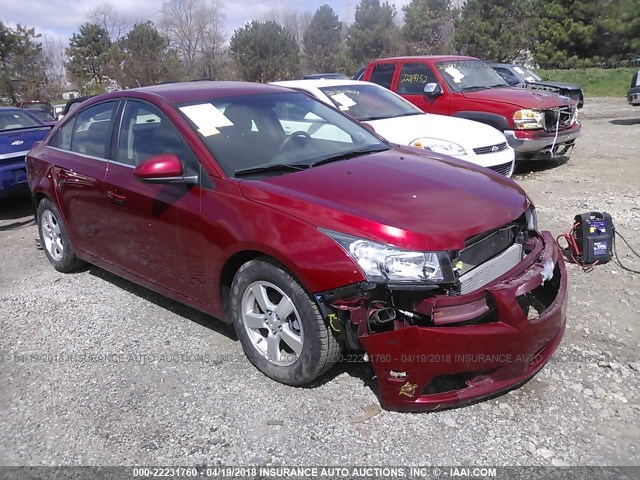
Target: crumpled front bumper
427 368
532 144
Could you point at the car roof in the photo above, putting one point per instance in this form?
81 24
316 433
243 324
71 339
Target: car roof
182 92
12 108
320 82
443 58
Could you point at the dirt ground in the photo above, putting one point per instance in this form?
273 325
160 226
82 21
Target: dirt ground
582 409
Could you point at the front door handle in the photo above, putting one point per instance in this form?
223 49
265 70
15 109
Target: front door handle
116 197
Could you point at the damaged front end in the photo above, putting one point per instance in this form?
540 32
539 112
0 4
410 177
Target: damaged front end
489 329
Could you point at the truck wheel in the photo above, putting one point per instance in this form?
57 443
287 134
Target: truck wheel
279 325
55 239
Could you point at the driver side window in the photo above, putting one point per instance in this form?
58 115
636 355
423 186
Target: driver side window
145 132
413 78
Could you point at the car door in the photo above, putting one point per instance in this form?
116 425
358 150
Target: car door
153 231
412 79
78 153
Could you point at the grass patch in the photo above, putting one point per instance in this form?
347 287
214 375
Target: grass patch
596 82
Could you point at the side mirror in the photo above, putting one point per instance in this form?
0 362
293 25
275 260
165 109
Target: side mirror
163 168
432 90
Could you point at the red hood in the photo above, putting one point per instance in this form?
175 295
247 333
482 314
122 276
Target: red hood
519 97
412 200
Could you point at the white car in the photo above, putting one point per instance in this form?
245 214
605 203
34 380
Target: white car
401 122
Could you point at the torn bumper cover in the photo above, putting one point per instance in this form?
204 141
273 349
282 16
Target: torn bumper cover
476 344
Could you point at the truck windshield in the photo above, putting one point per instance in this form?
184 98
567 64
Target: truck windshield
469 75
526 74
369 102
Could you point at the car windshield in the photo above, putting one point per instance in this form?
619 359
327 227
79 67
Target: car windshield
11 119
526 74
369 102
276 133
469 75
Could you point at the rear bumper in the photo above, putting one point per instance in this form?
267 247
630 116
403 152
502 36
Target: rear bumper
427 368
13 178
540 144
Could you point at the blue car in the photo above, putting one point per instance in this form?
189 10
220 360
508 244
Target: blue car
19 130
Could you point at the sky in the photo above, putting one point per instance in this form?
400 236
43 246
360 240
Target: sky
59 19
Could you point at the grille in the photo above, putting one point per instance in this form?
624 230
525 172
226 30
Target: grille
489 271
566 115
504 169
491 149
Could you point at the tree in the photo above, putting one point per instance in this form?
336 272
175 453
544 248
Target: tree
23 65
114 23
142 57
428 26
296 23
195 29
8 41
494 30
619 29
54 60
566 31
88 54
264 52
322 40
373 33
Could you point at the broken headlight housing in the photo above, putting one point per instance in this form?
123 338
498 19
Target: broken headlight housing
531 217
388 264
527 119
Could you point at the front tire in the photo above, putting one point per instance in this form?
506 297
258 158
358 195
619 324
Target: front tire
279 325
54 238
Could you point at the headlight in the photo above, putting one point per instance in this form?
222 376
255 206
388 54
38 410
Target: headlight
532 217
528 119
388 264
439 146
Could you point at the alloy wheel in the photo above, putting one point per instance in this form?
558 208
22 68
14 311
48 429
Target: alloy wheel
272 323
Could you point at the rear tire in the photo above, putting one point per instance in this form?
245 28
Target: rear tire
279 325
54 238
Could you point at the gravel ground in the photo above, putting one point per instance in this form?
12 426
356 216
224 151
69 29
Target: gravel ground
160 383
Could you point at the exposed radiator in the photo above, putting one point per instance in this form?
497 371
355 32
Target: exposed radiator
491 269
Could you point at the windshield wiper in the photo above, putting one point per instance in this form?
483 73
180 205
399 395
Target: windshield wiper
347 155
474 88
277 167
384 117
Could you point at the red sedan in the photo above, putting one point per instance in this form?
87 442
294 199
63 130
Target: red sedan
267 208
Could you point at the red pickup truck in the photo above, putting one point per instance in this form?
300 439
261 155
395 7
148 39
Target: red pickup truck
537 124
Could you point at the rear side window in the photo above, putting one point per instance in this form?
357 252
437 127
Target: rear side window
383 74
413 78
62 138
91 132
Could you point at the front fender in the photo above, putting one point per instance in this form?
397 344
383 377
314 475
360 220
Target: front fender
492 119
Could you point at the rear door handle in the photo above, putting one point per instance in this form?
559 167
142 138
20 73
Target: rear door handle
116 197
